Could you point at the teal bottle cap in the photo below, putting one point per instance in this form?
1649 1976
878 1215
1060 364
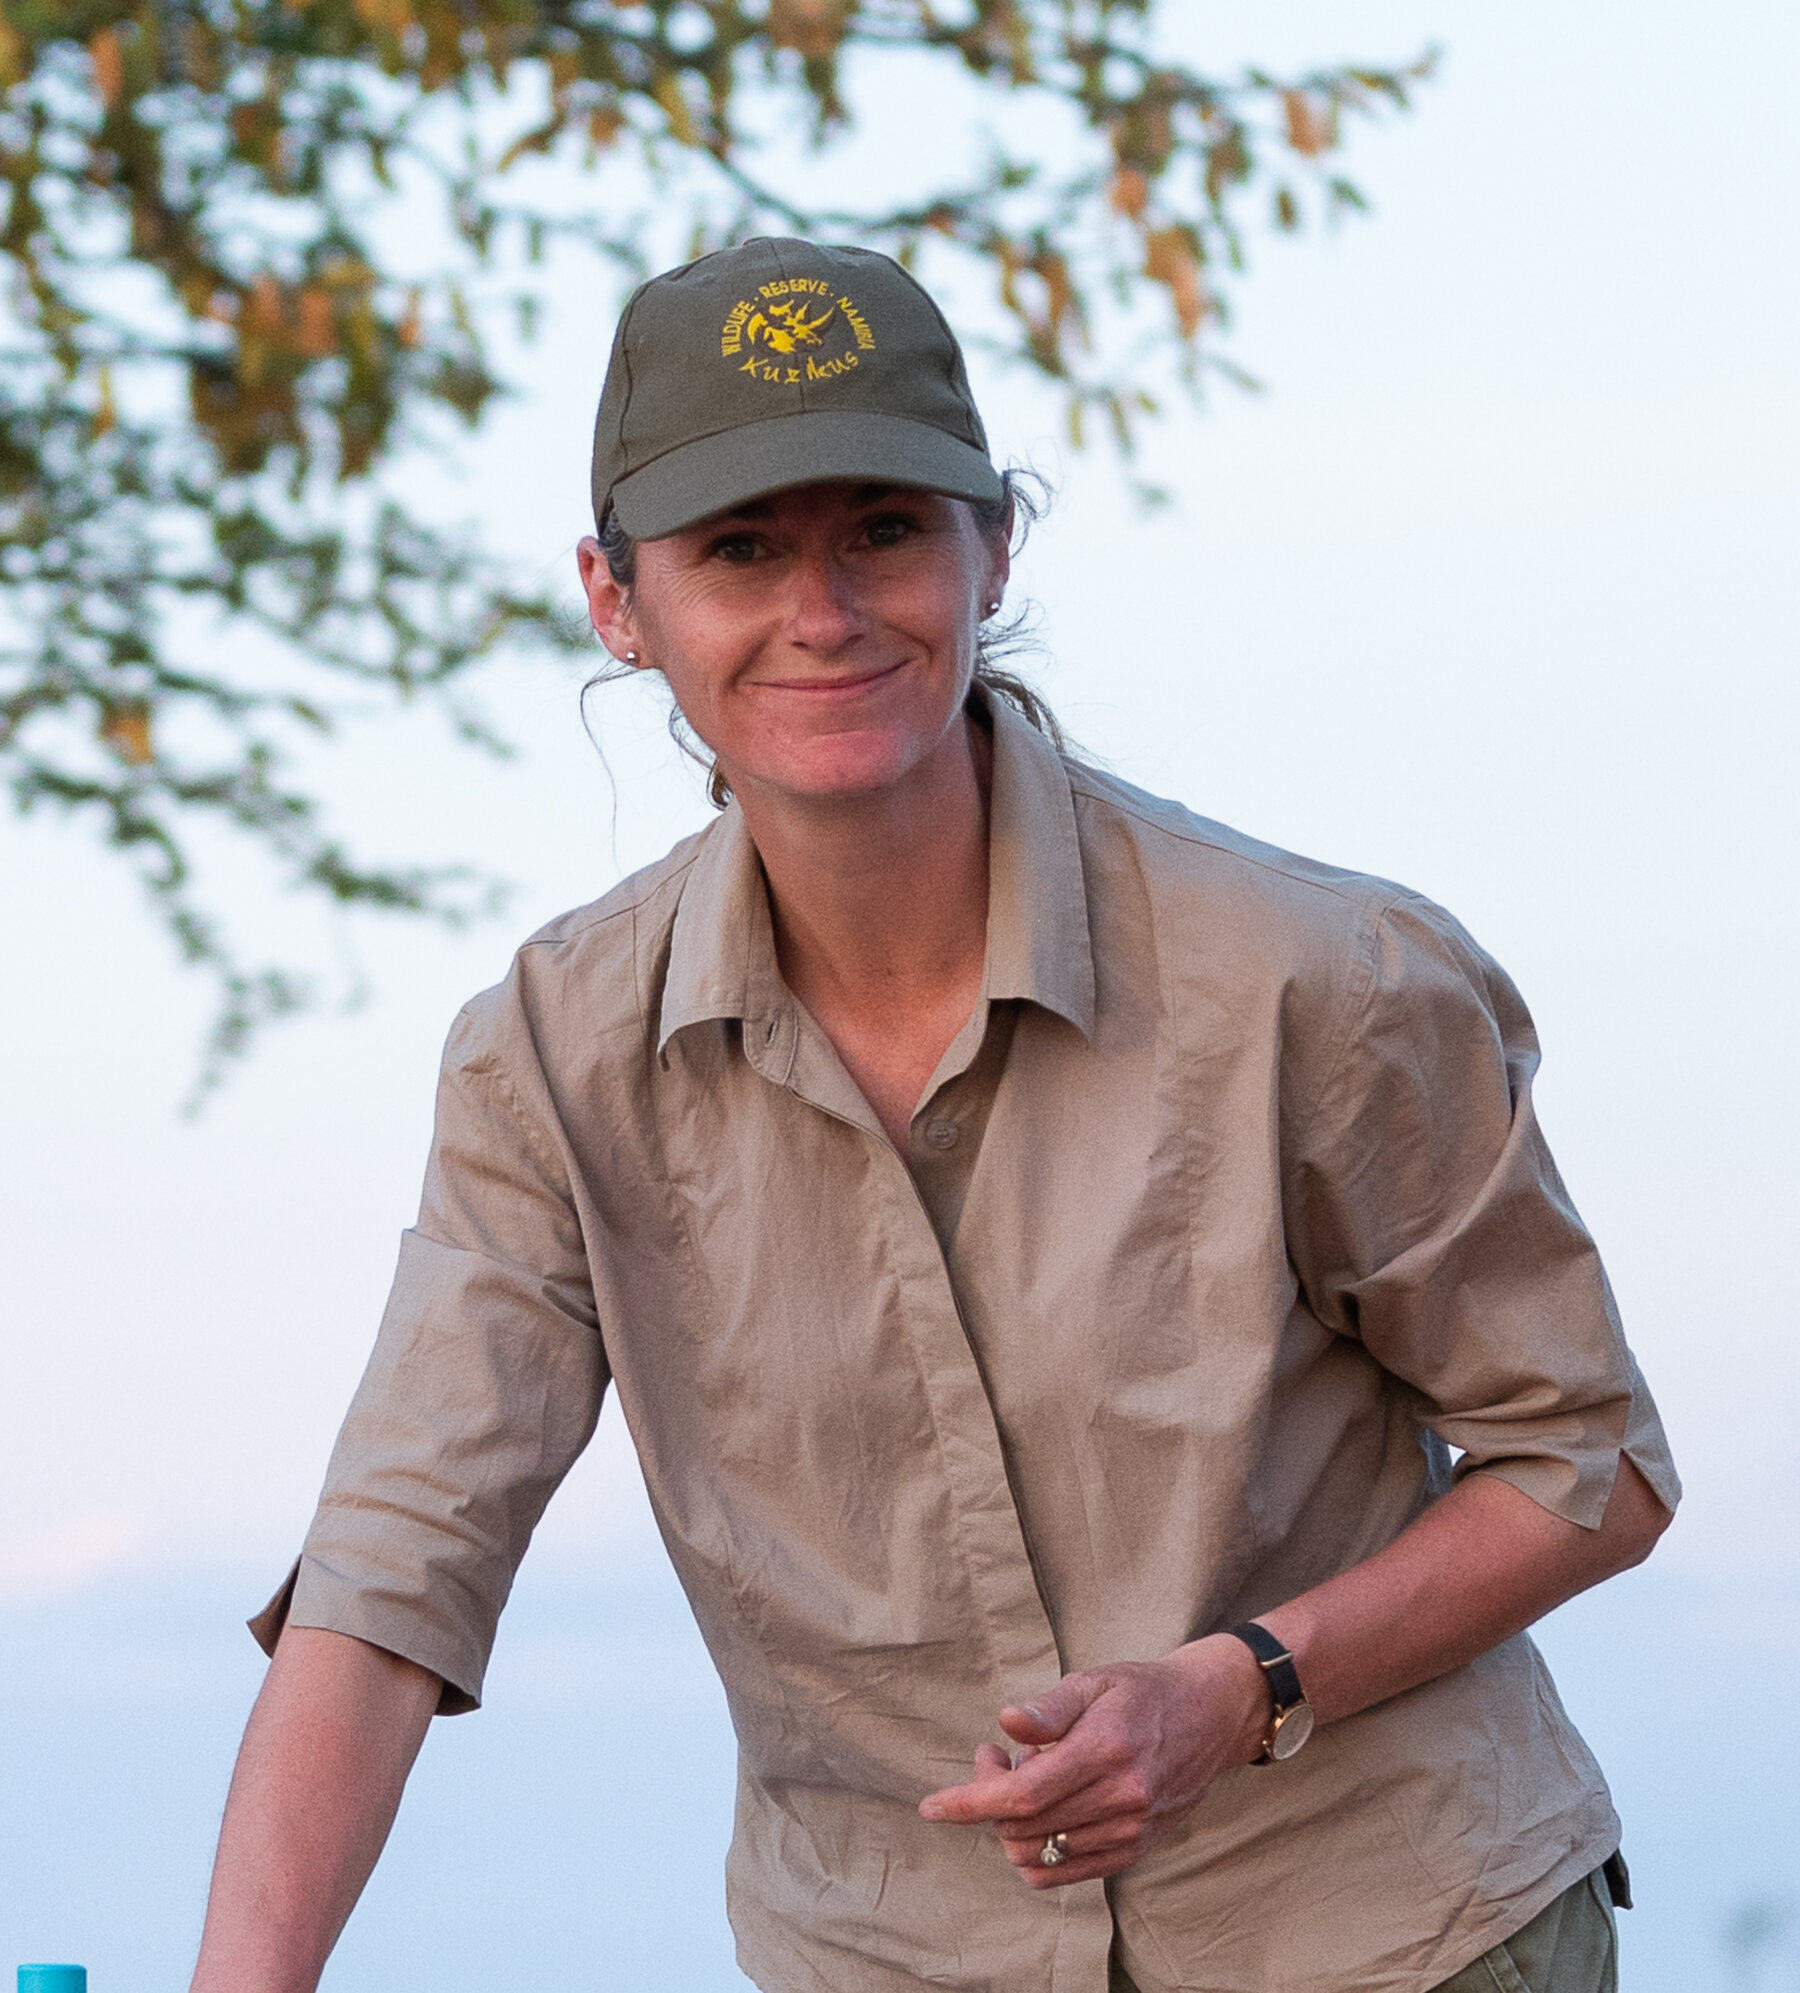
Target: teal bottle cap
53 1979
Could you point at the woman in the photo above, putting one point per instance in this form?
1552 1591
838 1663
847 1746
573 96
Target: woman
1047 1248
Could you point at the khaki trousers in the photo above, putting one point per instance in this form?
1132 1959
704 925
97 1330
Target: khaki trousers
1570 1946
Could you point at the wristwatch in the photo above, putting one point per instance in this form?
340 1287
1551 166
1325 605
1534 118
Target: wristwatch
1291 1715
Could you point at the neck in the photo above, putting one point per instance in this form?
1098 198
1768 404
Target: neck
880 902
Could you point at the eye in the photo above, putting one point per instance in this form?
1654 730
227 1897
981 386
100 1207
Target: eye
888 529
738 549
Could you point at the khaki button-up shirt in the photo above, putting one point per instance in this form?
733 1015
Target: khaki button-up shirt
1225 1225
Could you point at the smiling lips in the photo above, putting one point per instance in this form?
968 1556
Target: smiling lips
824 687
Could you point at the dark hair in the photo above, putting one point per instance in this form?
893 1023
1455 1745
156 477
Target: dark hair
1023 501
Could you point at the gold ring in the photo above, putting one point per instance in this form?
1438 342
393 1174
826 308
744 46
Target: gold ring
1054 1852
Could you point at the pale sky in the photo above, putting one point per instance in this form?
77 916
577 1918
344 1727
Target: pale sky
1493 591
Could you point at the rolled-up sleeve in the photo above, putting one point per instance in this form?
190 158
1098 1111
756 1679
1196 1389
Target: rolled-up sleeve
484 1385
1431 1224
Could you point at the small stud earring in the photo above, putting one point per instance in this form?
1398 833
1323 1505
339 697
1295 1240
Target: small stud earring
631 657
993 609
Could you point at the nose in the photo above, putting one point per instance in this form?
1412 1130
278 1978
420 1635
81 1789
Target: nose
824 613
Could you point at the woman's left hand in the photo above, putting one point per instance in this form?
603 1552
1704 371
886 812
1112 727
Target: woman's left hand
1113 1757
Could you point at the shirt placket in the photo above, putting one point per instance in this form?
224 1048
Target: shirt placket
990 1535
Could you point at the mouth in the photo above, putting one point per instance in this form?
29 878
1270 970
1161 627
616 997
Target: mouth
838 685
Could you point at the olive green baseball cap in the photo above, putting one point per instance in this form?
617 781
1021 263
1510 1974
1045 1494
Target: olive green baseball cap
779 363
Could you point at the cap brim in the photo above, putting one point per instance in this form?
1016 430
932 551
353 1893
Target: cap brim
715 473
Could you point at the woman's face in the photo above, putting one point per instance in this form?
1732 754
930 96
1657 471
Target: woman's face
821 640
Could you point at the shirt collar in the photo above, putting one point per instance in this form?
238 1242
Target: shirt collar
1037 940
722 951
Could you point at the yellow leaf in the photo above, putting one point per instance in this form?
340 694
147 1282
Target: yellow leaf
257 127
106 410
1060 299
667 91
200 54
392 17
346 273
539 139
126 730
12 55
318 323
1310 129
262 305
408 331
812 27
1130 192
361 329
109 66
1169 260
1011 263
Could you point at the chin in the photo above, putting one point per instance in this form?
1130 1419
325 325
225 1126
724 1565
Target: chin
846 766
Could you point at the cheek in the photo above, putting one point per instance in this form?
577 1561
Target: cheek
936 610
699 648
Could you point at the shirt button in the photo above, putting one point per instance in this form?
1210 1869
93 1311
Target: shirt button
942 1134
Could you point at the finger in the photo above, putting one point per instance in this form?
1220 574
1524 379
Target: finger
1049 1774
1097 1806
1121 1795
987 1796
992 1765
1036 1724
1080 1868
1091 1838
1039 1796
1087 1776
1054 1713
1000 1796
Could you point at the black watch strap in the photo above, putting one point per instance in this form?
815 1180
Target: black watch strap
1276 1663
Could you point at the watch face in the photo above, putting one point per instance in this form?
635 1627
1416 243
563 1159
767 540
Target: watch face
1292 1728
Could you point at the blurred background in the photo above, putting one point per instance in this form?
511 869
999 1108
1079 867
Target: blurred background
1492 589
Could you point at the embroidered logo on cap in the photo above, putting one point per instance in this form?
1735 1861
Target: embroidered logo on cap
795 330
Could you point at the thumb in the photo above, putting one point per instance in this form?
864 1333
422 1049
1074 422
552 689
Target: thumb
1054 1713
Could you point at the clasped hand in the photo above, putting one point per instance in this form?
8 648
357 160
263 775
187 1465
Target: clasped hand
1112 1757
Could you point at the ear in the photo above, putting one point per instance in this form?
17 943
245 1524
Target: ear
999 561
609 604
